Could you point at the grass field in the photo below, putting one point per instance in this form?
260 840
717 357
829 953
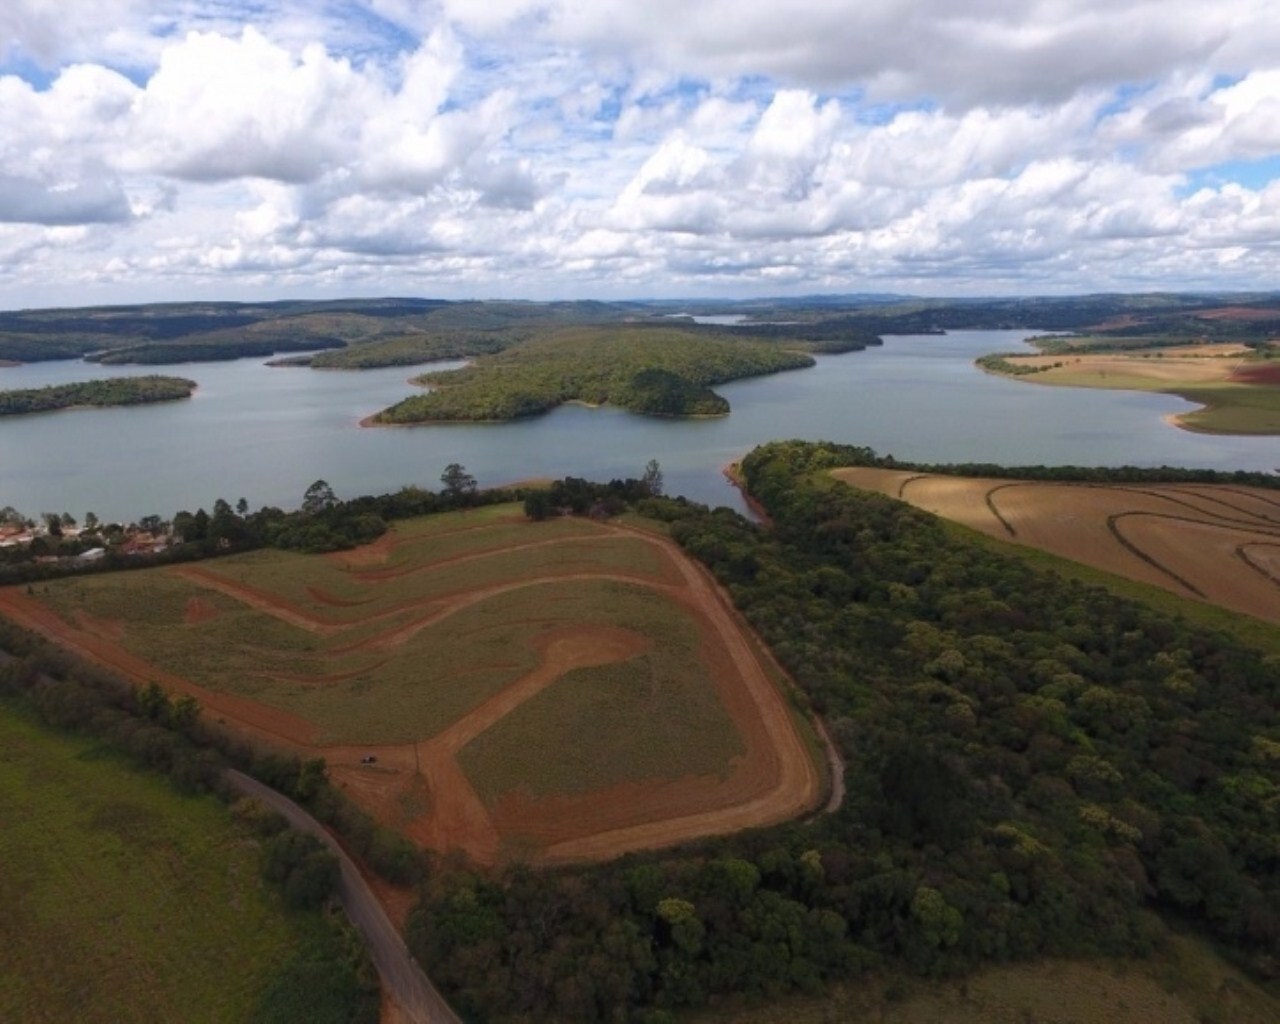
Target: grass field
476 656
1215 544
1185 983
1238 392
122 900
654 716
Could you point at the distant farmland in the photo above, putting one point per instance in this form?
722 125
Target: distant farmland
1214 543
550 691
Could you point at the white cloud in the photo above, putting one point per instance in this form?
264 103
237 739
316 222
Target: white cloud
553 148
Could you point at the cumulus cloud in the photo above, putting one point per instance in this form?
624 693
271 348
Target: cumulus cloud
548 147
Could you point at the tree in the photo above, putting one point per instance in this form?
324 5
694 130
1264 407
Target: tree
242 507
537 506
458 483
318 498
652 479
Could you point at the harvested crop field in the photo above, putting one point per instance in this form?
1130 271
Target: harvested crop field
1214 543
547 691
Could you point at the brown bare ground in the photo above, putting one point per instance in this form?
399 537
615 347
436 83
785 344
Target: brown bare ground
1238 313
1258 373
419 787
1200 365
1184 538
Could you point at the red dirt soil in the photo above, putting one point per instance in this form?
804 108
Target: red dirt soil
420 788
1238 313
1257 373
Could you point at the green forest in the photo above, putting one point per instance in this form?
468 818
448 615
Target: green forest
658 371
1034 766
113 391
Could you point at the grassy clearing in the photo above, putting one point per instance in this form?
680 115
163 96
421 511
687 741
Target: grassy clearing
366 682
124 901
655 716
1233 409
153 596
1186 983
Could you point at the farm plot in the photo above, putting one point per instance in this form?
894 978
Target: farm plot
492 668
1214 543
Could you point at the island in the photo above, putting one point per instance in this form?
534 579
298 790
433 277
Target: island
657 371
96 393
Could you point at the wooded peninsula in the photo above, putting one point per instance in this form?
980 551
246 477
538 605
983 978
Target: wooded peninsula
656 371
100 393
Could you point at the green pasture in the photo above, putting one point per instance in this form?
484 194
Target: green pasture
656 716
1233 409
360 684
433 565
123 901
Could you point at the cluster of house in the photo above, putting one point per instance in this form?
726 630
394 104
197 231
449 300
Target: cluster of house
129 540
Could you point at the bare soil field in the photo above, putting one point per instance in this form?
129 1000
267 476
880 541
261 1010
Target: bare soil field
1236 391
1152 369
642 712
1219 544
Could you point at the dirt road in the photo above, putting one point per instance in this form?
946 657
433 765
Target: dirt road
402 978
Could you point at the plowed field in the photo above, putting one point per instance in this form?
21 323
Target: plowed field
545 691
1215 543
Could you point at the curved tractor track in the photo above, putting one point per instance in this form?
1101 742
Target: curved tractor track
1215 543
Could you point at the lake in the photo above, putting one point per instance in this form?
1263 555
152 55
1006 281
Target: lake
266 433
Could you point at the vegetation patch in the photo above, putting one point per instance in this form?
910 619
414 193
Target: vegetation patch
655 716
112 391
124 901
659 371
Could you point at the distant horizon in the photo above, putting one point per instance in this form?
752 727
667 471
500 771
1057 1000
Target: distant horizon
872 298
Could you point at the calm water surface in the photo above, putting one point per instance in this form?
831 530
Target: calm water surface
266 434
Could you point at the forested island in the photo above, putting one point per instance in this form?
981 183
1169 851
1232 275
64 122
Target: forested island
655 371
100 393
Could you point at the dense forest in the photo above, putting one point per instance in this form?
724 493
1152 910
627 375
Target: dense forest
112 391
654 370
1033 767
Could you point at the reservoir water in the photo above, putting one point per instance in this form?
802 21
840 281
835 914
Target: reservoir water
266 433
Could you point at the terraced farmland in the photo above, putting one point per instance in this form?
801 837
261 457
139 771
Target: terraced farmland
1214 543
547 691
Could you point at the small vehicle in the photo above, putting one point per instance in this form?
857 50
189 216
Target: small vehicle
369 759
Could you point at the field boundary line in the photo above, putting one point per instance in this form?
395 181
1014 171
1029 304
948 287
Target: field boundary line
991 504
1243 555
1132 548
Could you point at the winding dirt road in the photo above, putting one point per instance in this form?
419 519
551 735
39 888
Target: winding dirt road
402 979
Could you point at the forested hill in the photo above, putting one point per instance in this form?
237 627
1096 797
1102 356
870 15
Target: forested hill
654 370
1034 767
113 391
360 333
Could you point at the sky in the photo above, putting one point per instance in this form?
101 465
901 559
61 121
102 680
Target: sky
257 149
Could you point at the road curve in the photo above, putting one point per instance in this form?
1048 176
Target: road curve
402 978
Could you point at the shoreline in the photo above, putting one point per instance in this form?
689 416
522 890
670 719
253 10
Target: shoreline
732 471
